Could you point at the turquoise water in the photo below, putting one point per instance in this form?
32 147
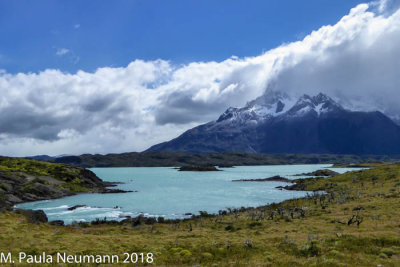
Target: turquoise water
170 193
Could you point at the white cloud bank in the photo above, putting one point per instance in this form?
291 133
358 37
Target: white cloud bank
356 60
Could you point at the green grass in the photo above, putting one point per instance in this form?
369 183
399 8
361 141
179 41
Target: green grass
61 172
312 231
19 176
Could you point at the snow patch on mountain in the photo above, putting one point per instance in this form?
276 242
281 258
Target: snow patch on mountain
274 105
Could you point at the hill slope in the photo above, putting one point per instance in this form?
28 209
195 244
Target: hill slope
23 180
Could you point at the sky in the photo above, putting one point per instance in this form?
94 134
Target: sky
85 35
118 76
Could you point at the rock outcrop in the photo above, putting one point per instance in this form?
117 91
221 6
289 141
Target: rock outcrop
24 180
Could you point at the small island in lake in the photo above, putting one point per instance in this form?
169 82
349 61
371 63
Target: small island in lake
198 168
275 178
325 172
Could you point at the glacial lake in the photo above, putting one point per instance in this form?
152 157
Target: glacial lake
167 192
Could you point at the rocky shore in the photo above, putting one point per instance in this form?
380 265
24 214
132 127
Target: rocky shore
23 180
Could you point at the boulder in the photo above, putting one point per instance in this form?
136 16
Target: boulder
77 207
34 216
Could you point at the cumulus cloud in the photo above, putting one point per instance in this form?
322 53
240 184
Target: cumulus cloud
133 107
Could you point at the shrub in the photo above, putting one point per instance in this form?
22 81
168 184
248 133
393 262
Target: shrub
388 251
229 228
185 253
150 220
204 214
311 249
335 253
6 187
207 255
383 256
268 256
254 224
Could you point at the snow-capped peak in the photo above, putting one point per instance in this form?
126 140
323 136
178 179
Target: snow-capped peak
275 104
271 104
264 107
319 104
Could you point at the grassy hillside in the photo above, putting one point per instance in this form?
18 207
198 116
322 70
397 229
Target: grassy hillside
166 159
356 223
27 180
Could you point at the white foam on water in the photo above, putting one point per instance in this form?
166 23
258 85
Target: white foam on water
56 208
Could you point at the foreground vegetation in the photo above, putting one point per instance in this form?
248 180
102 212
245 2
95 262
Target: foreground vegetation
357 223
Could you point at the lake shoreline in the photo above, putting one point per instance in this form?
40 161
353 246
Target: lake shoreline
160 219
127 211
25 181
348 226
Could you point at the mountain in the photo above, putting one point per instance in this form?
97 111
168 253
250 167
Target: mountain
276 123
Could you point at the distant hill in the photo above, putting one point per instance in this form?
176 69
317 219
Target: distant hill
170 159
41 157
47 157
277 124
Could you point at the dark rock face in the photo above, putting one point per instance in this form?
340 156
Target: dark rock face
34 216
312 125
344 132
